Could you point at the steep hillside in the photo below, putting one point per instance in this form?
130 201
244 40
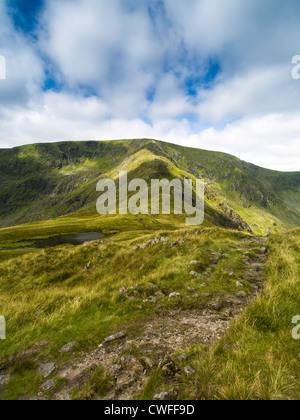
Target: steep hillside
45 181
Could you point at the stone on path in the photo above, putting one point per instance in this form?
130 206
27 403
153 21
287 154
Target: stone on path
47 369
114 337
48 385
68 347
239 284
189 370
4 380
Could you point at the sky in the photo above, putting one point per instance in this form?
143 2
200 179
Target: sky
210 74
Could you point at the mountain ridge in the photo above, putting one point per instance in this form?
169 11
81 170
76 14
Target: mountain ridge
48 180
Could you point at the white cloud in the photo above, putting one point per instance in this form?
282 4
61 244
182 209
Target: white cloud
122 64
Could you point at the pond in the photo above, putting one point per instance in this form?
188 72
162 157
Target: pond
74 239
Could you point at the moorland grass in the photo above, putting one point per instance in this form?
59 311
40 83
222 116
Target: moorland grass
49 296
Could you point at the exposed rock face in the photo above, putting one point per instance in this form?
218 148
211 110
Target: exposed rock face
235 217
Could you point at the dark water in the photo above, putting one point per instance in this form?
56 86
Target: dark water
75 239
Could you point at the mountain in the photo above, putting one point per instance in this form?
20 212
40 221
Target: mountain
46 181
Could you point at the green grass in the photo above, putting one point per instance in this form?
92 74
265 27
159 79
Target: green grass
53 299
258 358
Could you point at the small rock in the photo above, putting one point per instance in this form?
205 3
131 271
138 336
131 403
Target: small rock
173 394
207 295
88 266
173 244
239 284
147 362
154 289
48 385
163 396
231 274
114 337
191 289
4 380
217 305
150 300
215 261
68 347
174 295
194 262
189 370
183 357
47 369
196 296
169 368
195 274
242 295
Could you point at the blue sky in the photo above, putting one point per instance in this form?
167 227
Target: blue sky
202 73
25 13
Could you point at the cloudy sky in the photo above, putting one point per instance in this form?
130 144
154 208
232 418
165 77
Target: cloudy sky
212 74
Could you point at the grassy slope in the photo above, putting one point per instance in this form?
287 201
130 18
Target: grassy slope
258 358
53 299
45 181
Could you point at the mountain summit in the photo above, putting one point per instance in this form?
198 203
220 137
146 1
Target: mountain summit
46 181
